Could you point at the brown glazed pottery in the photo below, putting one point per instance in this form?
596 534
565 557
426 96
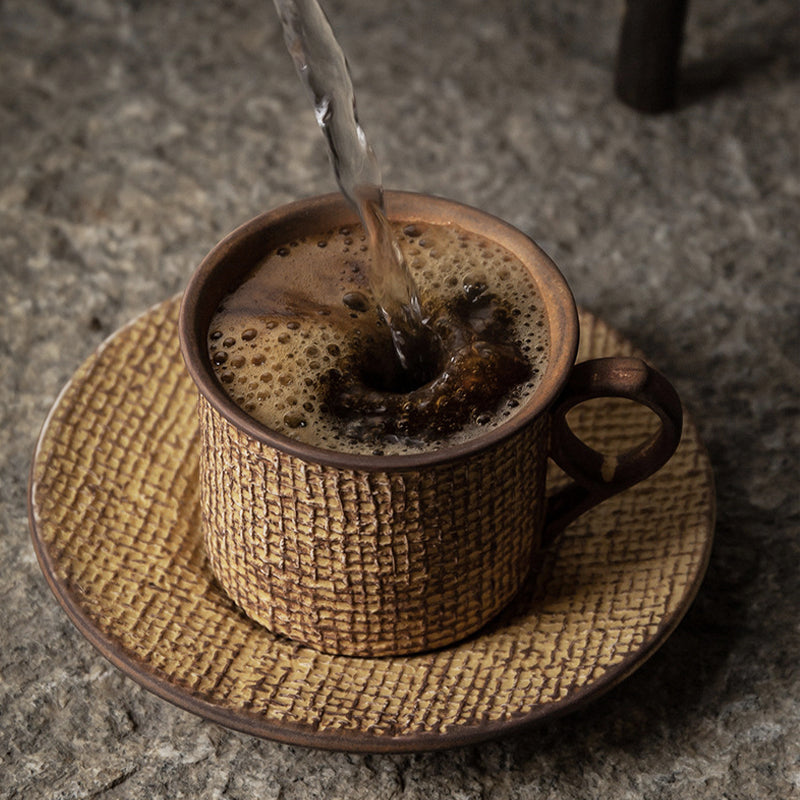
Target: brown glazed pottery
384 555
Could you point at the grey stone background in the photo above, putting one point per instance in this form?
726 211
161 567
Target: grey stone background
135 134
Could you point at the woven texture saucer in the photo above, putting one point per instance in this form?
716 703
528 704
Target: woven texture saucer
115 520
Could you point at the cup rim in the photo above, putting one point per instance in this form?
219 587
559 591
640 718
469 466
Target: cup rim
245 244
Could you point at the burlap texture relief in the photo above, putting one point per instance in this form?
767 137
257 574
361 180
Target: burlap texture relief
370 563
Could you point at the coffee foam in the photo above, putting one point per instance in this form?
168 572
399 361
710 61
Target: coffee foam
307 309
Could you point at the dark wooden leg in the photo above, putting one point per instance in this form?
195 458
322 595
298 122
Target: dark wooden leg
649 51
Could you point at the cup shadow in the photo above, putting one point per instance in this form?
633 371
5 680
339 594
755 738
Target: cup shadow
682 683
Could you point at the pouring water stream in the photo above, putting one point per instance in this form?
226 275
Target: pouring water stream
323 69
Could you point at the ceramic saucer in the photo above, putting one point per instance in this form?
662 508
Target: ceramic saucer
116 525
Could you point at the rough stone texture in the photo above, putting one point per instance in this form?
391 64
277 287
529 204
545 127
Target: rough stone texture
134 134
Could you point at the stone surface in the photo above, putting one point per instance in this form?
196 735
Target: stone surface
133 135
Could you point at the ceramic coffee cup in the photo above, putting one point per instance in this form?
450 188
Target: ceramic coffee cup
385 555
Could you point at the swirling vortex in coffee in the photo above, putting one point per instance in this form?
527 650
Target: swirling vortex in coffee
301 347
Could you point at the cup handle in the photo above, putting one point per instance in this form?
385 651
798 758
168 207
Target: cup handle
596 477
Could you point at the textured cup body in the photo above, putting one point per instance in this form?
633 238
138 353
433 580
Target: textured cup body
361 562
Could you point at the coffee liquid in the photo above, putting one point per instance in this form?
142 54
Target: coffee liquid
302 348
